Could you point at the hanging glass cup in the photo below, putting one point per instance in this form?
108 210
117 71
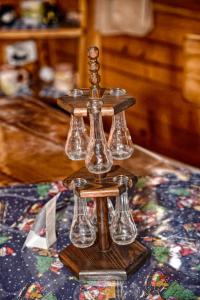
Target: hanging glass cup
82 233
119 141
123 229
98 158
77 139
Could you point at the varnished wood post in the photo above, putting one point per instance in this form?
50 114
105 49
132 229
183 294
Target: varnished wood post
103 223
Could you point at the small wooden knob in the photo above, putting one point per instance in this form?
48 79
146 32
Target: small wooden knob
93 52
94 66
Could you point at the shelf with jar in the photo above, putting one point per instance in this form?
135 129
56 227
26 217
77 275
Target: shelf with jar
48 84
44 33
38 16
31 28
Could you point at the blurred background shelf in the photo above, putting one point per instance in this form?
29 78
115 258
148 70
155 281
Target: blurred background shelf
49 33
62 43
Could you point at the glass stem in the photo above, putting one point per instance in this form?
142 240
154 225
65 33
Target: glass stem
79 206
122 203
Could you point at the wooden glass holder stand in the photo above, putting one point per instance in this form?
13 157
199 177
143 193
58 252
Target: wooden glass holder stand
105 259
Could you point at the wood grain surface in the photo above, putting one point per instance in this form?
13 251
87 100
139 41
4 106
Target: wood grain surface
191 78
111 105
101 185
32 139
120 258
151 69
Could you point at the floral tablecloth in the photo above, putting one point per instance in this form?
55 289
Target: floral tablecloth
166 208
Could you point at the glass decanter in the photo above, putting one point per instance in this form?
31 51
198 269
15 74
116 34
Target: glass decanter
77 139
82 233
98 158
119 141
123 229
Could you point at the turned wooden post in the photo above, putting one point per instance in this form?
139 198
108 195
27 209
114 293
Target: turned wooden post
103 223
94 77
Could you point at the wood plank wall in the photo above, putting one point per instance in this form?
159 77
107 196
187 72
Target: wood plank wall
151 69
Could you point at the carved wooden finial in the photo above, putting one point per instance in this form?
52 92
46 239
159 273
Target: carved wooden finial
94 77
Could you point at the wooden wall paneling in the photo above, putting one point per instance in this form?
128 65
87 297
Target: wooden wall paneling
44 57
13 2
176 143
151 69
65 53
171 28
142 68
2 52
92 38
166 103
51 48
69 47
191 82
144 49
82 44
62 54
162 107
180 7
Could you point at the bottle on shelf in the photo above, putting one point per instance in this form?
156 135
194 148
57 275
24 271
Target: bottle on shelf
123 229
51 13
98 158
8 15
82 232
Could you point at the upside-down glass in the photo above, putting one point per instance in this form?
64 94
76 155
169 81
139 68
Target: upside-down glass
123 229
82 233
98 158
119 141
77 139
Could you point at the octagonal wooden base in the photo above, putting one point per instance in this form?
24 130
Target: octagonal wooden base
114 264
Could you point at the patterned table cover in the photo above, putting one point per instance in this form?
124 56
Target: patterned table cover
166 208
